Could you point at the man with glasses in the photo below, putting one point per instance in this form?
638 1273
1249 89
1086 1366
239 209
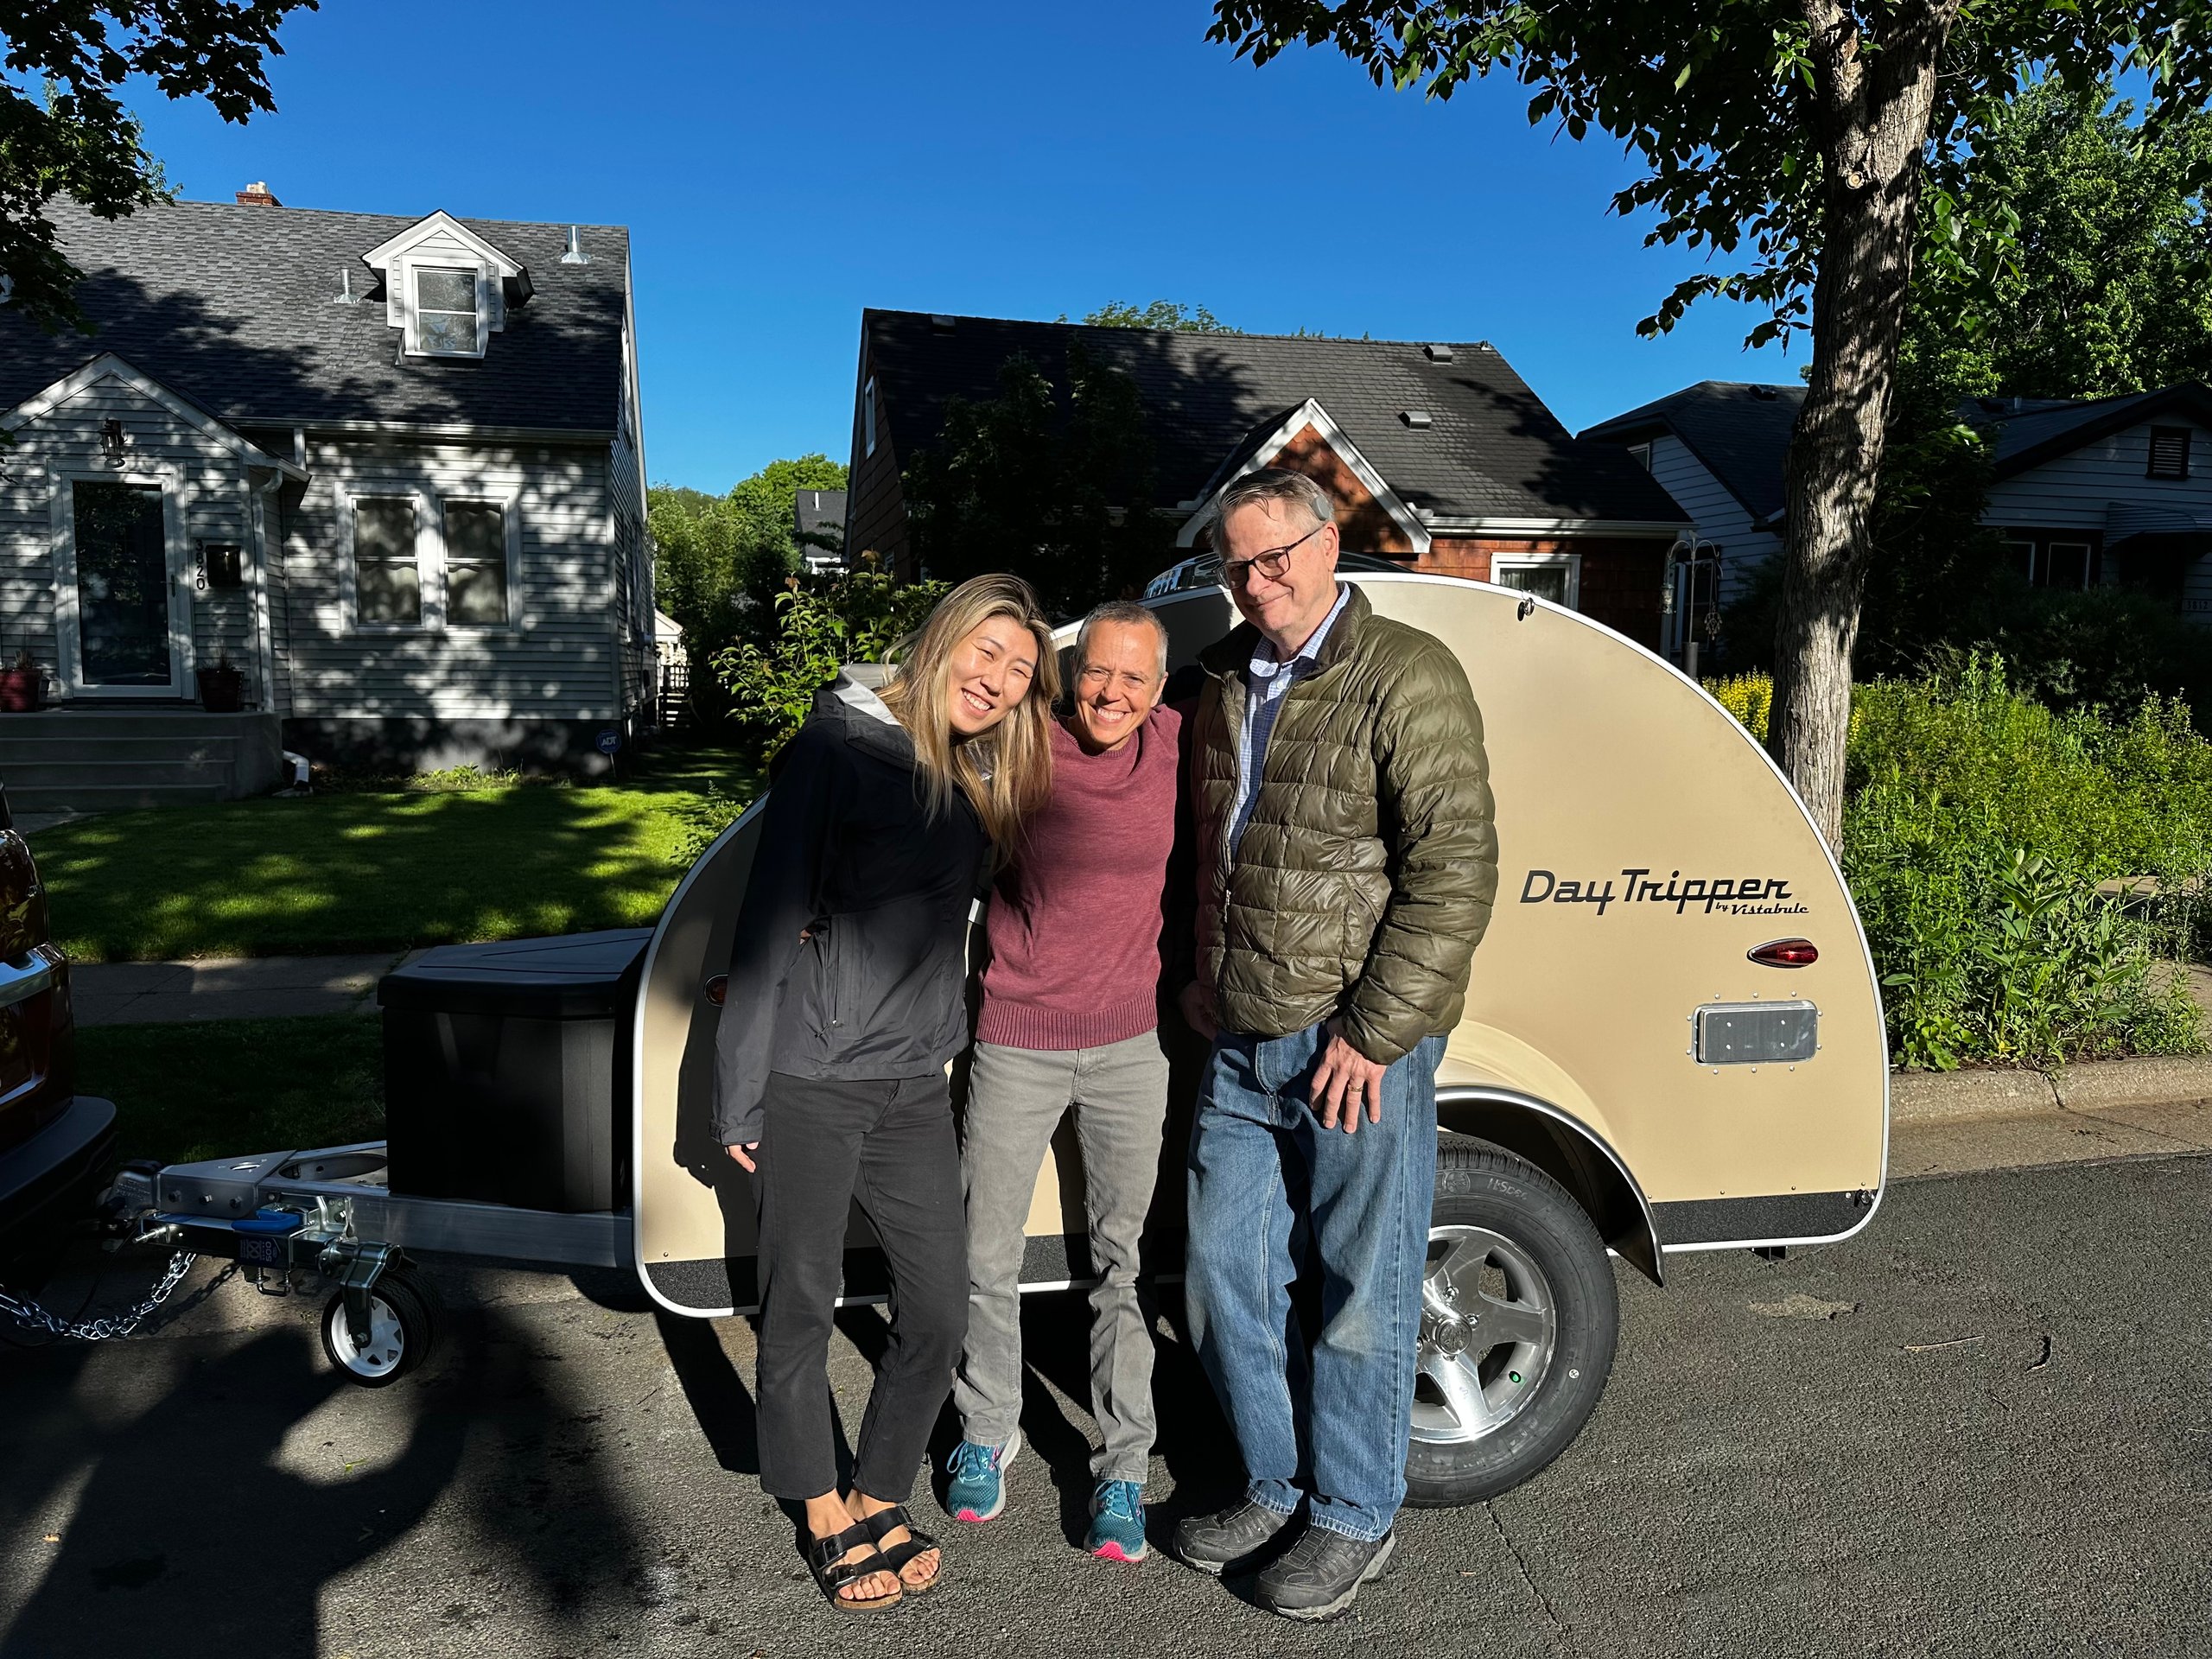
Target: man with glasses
1346 865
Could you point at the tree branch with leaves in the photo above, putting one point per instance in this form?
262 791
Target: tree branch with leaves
64 130
1796 142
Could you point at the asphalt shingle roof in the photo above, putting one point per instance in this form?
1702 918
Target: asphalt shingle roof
235 308
1738 430
817 511
1493 450
1741 432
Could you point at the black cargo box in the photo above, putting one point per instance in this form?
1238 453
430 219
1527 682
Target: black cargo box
506 1071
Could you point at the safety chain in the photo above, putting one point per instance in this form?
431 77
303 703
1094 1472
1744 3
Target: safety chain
30 1313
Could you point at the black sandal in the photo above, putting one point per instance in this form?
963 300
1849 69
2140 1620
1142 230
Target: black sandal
917 1543
832 1573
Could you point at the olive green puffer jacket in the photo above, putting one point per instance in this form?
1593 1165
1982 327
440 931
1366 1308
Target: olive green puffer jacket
1364 876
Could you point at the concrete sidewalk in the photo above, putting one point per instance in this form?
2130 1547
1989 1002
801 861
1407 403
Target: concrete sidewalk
229 988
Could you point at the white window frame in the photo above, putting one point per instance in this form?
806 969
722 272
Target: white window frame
1641 455
430 594
2088 552
68 667
486 296
511 530
2016 545
1573 562
868 415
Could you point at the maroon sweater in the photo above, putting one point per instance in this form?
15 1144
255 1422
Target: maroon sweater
1075 920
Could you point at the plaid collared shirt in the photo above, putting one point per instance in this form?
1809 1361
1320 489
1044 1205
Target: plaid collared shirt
1266 679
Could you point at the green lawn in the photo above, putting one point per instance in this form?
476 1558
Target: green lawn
187 1092
347 871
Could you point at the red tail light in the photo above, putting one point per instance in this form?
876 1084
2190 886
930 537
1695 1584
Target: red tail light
720 983
1786 953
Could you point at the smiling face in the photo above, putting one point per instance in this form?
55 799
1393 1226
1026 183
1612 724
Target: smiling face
1117 684
1287 606
990 672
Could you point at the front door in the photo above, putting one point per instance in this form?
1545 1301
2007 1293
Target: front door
125 642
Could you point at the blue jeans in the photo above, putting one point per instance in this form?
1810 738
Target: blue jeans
1265 1179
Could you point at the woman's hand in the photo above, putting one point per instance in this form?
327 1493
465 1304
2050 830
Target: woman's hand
742 1154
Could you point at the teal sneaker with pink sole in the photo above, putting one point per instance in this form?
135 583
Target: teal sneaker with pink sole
1117 1522
975 1490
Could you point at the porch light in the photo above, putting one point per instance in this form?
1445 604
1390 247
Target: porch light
111 441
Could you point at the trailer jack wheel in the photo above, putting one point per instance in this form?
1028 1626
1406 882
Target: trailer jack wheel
401 1326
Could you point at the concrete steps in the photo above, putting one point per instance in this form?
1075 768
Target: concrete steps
80 758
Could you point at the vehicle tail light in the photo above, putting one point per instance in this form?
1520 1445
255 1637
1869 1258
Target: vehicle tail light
1786 953
715 989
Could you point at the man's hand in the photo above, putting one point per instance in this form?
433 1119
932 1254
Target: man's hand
1197 1004
742 1154
1341 1080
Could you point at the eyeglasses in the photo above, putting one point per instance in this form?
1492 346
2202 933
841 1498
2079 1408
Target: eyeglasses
1270 564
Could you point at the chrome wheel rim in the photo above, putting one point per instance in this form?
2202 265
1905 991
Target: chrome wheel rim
376 1356
1489 1328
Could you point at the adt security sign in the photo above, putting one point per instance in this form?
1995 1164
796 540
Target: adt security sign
609 741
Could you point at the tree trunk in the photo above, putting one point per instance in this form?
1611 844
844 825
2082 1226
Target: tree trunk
1872 118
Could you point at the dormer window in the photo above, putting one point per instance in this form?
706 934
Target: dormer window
448 289
447 316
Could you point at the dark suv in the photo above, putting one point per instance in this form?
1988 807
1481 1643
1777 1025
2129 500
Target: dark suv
54 1144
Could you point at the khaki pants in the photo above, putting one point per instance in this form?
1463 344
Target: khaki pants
1016 1097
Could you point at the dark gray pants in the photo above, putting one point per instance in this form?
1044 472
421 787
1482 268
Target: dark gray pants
1016 1098
891 1146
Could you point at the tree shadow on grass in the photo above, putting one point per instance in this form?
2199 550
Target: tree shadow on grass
339 872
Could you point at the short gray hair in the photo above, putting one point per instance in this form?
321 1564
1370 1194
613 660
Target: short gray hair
1273 484
1128 613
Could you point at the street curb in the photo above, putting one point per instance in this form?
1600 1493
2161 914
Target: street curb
2094 1085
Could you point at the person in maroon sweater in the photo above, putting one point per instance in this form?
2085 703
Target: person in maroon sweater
1069 1021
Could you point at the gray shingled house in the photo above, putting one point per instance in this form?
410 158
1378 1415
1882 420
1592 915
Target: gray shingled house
2085 492
1441 457
380 479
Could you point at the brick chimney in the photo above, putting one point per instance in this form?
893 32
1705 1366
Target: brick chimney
256 196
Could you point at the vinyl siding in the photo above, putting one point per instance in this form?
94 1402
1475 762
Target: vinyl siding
2076 491
555 659
209 481
1718 515
632 563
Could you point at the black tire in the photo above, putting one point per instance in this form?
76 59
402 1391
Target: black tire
1566 1296
403 1322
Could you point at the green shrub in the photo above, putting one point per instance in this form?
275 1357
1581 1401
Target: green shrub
1978 824
821 624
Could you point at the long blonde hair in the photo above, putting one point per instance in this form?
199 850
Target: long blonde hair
1006 773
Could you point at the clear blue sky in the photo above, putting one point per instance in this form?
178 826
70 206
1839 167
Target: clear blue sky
781 166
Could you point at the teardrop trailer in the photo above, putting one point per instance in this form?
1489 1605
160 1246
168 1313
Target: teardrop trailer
1673 1042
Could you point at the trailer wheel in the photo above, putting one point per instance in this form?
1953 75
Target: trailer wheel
1518 1318
402 1326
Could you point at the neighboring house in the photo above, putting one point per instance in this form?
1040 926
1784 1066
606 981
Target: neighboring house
1441 457
2085 492
668 642
818 519
388 467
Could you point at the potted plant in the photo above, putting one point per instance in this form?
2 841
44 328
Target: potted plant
222 685
21 686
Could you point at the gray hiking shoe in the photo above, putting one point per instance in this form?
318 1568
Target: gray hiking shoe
1228 1540
1319 1575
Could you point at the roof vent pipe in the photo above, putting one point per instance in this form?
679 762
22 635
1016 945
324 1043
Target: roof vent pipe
346 294
575 254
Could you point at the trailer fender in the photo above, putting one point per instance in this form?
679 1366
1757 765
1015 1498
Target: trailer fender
1568 1151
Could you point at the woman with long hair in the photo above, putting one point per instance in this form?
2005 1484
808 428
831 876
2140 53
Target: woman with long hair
845 1000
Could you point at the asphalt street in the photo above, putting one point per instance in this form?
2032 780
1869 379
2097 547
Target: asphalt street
1980 1427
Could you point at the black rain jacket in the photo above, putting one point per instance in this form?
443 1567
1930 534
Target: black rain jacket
850 958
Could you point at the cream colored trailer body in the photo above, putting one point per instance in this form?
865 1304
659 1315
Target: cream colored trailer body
1648 847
